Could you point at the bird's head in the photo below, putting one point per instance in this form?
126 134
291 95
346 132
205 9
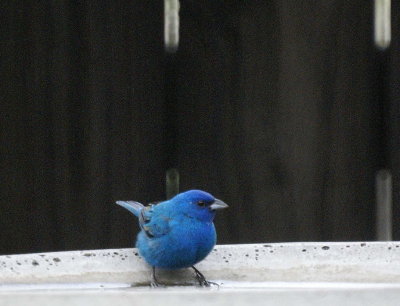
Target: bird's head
198 204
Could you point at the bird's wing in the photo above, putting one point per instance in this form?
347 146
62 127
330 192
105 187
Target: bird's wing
154 222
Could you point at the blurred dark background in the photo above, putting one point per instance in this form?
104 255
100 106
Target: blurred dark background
283 109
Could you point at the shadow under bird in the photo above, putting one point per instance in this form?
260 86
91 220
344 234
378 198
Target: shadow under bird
177 233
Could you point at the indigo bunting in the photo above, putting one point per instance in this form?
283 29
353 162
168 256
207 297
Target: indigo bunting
177 233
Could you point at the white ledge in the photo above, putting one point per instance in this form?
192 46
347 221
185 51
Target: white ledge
365 262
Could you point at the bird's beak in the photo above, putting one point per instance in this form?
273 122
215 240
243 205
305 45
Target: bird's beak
218 204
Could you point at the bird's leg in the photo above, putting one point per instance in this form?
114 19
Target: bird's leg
202 280
154 283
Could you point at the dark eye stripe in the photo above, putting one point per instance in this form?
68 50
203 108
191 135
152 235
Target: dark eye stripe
201 203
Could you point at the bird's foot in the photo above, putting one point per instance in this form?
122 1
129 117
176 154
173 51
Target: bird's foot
202 280
154 282
206 283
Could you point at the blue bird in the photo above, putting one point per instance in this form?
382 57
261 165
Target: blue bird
177 233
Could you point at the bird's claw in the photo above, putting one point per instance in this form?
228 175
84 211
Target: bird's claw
154 284
202 280
206 283
211 283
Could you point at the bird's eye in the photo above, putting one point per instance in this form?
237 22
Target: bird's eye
201 203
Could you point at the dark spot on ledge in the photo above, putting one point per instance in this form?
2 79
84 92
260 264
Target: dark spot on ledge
256 250
226 261
363 244
35 263
271 251
325 247
304 250
389 248
247 255
136 254
115 253
267 246
87 254
56 259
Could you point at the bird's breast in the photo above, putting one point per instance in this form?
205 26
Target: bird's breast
195 240
188 242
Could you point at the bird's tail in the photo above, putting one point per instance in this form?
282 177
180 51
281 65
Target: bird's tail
132 206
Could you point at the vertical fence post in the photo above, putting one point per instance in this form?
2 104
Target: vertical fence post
171 25
384 205
382 23
172 182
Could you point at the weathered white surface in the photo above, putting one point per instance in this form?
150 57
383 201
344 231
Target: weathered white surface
287 262
200 297
257 274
